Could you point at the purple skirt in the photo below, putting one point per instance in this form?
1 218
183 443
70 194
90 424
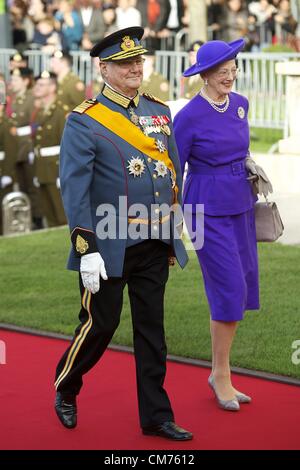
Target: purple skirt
229 265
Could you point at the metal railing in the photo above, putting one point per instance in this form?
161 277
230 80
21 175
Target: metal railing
257 79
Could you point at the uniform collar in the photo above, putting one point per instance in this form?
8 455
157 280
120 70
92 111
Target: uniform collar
118 98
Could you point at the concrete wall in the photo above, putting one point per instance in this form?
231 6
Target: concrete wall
284 173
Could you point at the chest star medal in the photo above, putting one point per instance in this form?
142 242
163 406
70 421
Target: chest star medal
241 112
160 145
161 169
136 166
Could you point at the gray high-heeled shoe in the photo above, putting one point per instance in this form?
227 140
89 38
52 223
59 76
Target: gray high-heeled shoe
228 405
242 398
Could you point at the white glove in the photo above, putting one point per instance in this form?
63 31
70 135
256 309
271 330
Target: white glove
36 183
58 183
91 268
5 181
260 182
31 158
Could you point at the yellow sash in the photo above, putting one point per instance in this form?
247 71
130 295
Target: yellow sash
125 129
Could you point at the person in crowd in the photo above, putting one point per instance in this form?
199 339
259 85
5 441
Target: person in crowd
127 15
284 17
93 24
69 24
71 89
107 153
212 135
95 86
45 37
17 61
155 14
191 85
154 83
234 20
215 11
20 111
7 168
49 123
109 17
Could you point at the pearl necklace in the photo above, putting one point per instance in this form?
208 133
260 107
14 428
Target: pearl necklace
216 104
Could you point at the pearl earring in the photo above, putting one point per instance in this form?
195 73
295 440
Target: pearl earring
205 82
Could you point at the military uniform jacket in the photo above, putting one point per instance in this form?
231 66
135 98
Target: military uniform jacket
7 148
70 92
191 86
96 168
20 118
156 85
50 125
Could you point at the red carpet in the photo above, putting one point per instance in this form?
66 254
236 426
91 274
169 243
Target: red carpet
108 416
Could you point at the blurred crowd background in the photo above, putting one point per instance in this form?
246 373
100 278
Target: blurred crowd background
78 24
47 71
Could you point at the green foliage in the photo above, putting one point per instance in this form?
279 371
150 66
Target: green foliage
278 48
262 139
38 292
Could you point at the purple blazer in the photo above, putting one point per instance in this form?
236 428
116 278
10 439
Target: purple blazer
215 146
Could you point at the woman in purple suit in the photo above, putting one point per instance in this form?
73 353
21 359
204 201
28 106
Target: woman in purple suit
212 135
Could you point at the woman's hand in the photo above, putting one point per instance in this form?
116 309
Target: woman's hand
257 176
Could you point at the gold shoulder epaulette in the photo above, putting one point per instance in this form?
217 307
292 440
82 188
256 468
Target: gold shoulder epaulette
153 98
86 104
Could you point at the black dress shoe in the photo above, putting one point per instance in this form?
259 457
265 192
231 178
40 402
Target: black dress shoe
66 410
169 430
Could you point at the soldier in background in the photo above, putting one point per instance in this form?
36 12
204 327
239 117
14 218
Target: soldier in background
95 86
49 121
6 165
71 90
154 83
19 109
192 85
17 61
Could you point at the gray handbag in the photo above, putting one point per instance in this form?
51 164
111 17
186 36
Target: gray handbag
269 226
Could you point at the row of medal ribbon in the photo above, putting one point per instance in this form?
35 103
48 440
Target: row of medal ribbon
149 124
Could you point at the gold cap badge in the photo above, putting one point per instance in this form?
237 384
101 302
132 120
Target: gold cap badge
127 43
17 57
45 74
58 54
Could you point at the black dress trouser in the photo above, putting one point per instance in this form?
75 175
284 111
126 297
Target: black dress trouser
145 272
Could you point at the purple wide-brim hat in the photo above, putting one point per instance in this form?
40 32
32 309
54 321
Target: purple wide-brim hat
213 53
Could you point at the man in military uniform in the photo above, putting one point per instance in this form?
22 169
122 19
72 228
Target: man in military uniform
7 173
95 86
192 85
49 124
70 90
119 167
154 83
20 106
